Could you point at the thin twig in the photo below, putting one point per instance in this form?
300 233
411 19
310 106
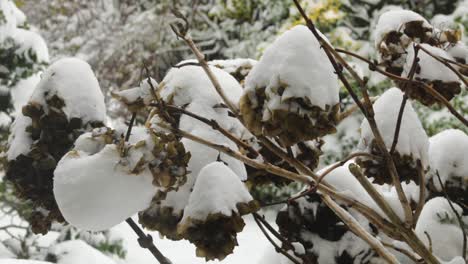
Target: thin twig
459 218
429 238
277 248
422 192
146 241
405 98
398 124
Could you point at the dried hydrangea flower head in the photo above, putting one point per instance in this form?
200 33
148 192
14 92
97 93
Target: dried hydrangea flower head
292 92
411 151
213 215
432 73
394 32
67 102
96 183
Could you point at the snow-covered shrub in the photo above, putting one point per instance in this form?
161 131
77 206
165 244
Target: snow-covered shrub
291 92
411 151
212 217
66 102
448 160
190 88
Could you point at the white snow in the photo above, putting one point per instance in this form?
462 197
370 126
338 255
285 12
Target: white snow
190 84
439 221
297 60
141 93
459 50
394 20
231 66
72 80
31 40
19 141
22 261
412 139
22 91
95 191
78 252
217 190
430 68
447 155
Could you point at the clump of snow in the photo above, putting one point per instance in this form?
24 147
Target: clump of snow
73 81
190 84
459 51
138 96
116 179
394 20
94 193
412 139
447 155
440 222
239 68
95 188
429 67
217 190
295 59
19 141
